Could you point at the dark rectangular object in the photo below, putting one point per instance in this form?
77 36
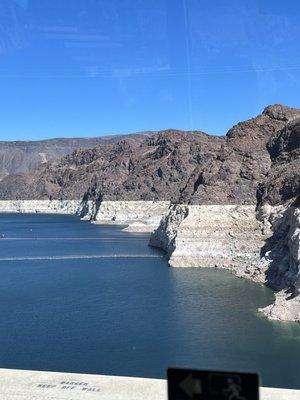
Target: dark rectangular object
185 384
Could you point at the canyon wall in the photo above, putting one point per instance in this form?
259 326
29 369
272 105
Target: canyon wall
227 236
281 260
227 202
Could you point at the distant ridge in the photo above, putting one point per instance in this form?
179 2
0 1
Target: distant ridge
24 156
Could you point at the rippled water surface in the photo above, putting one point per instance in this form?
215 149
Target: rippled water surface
87 298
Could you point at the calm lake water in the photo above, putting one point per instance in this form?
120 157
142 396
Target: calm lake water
86 298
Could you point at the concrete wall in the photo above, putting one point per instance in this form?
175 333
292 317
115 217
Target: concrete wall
35 385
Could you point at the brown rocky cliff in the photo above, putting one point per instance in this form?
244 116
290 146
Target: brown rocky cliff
243 161
185 167
24 156
282 182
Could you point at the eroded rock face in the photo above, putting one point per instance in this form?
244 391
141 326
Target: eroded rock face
154 168
281 257
164 237
40 206
282 182
141 216
233 176
226 236
278 209
24 156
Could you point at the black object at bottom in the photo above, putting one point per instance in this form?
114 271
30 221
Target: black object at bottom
185 384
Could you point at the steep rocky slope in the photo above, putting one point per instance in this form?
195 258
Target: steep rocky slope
24 156
243 161
279 211
153 168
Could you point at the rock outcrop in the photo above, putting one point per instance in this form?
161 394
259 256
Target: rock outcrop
226 236
141 216
233 175
279 211
281 260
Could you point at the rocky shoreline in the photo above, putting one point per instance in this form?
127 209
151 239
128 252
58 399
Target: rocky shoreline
140 216
233 237
40 206
281 259
212 236
228 202
237 238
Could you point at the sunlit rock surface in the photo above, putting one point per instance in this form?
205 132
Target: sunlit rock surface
281 260
141 216
226 236
40 206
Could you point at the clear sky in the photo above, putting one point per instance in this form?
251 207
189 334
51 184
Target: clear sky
95 67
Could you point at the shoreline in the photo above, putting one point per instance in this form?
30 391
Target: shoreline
221 236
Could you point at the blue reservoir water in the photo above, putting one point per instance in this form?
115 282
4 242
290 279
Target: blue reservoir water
79 297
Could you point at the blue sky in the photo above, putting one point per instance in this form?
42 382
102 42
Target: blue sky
95 67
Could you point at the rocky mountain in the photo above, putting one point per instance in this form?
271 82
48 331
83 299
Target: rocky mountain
229 202
243 161
182 167
155 167
24 156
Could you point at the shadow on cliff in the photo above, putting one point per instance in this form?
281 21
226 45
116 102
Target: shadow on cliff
281 273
